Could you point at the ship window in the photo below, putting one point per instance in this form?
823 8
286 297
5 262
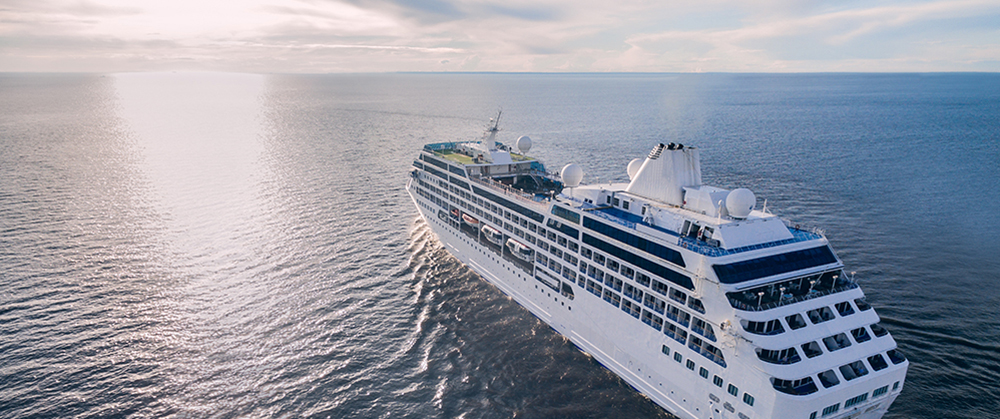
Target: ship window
733 390
607 199
878 330
696 304
855 400
690 365
573 246
585 252
614 202
642 279
860 335
770 327
631 292
533 228
678 315
717 381
853 370
877 362
828 378
627 272
660 287
612 298
820 315
800 387
675 332
566 214
654 303
781 357
812 415
637 242
880 391
612 265
665 350
748 399
631 308
836 342
844 308
678 296
729 407
703 372
678 357
812 349
896 357
599 259
567 291
703 328
624 204
795 321
829 410
862 304
514 207
895 386
763 267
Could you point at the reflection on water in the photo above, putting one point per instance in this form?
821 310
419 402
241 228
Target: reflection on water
227 245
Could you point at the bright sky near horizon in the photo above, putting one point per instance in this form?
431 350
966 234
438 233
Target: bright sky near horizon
320 36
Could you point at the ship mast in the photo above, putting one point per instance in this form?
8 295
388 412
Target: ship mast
491 131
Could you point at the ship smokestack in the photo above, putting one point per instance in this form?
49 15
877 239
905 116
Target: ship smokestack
666 171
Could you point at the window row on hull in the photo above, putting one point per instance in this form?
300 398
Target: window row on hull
830 378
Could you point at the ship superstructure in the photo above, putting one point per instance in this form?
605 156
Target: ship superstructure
708 306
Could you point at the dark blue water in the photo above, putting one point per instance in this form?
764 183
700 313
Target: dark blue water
231 245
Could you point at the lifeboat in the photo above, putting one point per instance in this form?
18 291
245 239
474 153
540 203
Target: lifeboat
520 251
492 234
470 221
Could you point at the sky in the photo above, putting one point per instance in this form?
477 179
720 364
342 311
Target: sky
351 36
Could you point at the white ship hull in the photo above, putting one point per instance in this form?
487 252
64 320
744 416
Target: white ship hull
585 321
701 308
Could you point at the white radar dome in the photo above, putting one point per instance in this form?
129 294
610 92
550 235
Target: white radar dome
633 167
740 202
572 175
523 144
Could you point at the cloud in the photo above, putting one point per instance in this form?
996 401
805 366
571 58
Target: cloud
490 35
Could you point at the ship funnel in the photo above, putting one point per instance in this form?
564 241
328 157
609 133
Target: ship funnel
665 172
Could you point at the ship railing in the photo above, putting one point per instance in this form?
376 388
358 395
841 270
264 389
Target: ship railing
715 251
736 303
507 190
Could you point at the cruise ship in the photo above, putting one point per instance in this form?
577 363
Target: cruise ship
708 306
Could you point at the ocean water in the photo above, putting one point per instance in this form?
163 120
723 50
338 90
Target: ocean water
238 245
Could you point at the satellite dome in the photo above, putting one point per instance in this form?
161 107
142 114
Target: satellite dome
740 202
523 144
633 167
572 175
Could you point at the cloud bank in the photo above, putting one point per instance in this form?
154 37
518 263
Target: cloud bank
320 36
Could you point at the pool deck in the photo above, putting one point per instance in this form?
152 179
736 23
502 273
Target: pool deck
463 159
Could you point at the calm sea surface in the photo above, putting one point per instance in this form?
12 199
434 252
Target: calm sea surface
232 245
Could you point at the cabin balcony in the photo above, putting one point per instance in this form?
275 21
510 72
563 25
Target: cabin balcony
790 291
